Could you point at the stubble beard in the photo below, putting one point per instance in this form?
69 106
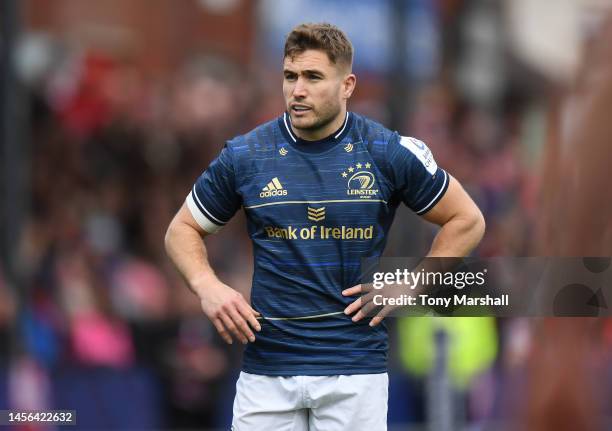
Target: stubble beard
321 119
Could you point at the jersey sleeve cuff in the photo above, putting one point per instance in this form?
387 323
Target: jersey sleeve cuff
202 216
437 196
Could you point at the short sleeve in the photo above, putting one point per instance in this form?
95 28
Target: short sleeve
418 179
213 199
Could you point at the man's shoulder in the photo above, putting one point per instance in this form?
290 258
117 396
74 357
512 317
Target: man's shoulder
371 131
260 138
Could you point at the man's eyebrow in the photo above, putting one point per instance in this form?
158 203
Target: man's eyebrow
314 72
305 72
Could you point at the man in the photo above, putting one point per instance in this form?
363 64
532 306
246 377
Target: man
320 186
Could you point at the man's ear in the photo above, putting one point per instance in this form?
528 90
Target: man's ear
348 85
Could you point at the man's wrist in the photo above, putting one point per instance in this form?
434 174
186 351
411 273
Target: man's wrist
201 282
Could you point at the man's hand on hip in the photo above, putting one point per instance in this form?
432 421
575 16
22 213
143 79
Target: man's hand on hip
227 310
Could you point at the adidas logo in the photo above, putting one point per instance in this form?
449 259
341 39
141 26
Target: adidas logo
274 188
283 151
316 214
348 148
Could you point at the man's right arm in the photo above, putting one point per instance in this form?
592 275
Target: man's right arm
226 308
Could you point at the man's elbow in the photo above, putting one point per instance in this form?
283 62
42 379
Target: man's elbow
171 234
477 224
168 237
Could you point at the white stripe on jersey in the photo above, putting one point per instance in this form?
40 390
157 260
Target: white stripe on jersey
360 201
343 127
208 214
314 316
426 207
201 218
288 128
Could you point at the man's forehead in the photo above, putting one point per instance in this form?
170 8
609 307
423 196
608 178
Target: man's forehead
309 59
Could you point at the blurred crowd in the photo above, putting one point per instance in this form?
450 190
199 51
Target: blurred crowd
113 157
115 151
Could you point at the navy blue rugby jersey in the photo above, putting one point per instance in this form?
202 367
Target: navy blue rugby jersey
314 209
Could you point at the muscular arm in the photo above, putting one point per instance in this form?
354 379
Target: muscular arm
462 224
185 247
462 227
225 307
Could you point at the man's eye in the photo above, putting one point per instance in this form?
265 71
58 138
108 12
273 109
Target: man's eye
290 77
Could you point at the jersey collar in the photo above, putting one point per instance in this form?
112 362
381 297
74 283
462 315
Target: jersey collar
314 146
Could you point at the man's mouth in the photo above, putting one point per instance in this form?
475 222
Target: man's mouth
300 108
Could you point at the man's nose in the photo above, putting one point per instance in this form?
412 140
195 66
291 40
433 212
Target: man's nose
300 88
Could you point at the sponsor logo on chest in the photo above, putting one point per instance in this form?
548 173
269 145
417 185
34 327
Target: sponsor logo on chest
273 188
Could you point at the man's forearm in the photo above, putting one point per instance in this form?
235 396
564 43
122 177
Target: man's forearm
187 251
458 237
226 308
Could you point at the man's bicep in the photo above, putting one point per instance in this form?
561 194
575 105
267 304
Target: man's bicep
454 202
184 216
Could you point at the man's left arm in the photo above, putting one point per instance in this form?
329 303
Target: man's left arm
439 198
462 227
461 222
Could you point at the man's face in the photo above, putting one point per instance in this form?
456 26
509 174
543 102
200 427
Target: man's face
315 90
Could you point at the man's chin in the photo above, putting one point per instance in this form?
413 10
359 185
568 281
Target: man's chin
303 123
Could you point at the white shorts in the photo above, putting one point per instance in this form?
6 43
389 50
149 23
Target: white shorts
311 403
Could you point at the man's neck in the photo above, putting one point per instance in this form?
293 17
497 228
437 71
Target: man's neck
324 132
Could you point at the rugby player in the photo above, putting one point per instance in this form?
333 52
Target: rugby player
320 186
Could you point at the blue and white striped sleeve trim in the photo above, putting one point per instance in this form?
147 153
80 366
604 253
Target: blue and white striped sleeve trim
205 219
438 195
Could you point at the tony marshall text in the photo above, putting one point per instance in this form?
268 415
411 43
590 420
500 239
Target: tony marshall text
429 301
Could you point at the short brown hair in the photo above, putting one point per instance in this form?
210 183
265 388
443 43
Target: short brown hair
322 36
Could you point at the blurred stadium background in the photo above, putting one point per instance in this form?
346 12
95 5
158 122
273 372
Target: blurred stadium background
110 110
